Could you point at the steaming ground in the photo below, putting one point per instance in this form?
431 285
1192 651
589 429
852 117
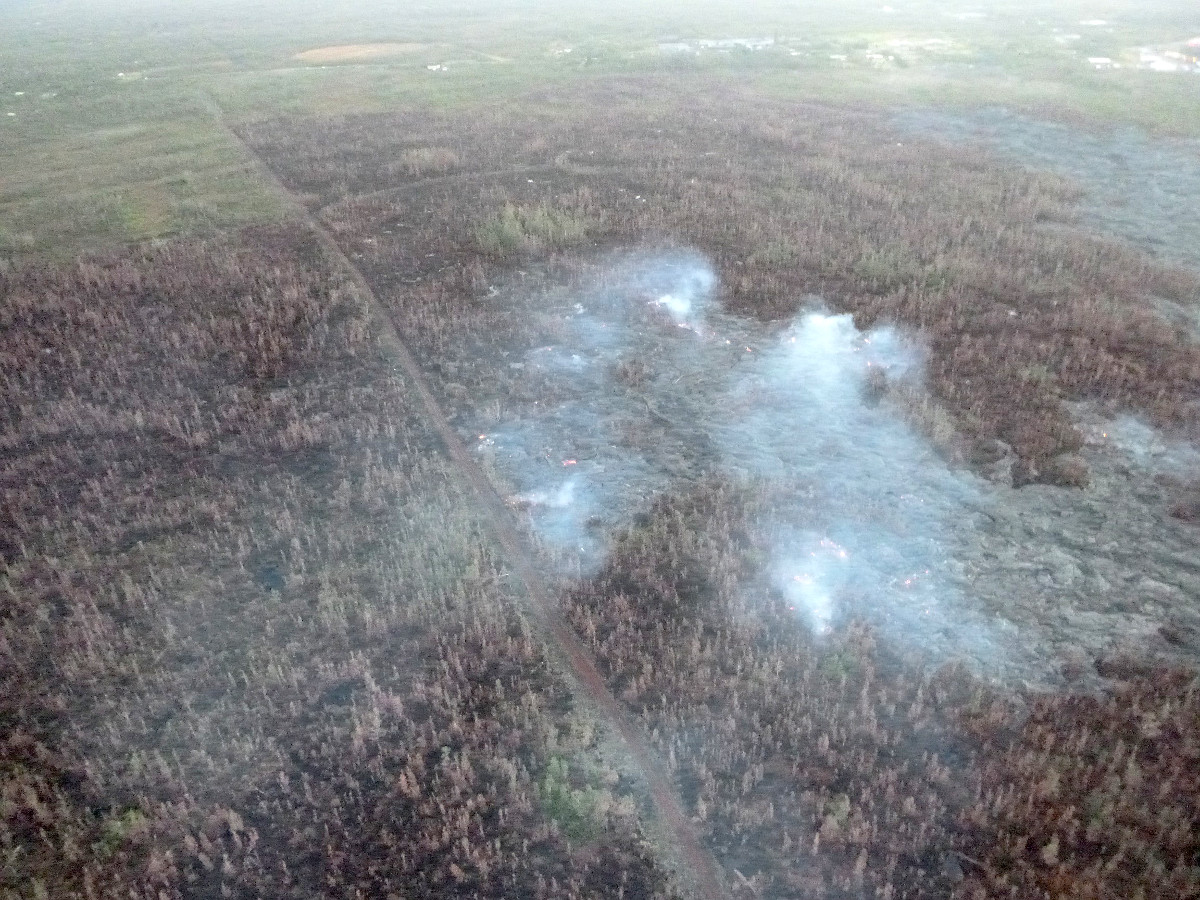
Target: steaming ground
647 386
870 526
587 448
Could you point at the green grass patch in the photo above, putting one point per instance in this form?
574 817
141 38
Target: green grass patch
129 183
529 228
579 810
117 830
890 267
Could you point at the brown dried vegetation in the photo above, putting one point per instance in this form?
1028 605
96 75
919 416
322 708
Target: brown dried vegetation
252 642
831 768
1019 310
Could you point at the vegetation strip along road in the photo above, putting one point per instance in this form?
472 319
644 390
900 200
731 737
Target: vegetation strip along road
698 870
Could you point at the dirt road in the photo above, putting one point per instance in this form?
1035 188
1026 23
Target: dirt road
697 871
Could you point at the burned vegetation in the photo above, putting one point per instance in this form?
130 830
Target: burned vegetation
828 767
258 638
834 767
253 641
1020 311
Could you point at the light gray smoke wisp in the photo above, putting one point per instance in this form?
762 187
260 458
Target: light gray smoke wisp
868 528
1146 447
649 385
585 451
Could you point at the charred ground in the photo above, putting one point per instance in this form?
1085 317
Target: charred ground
259 642
1020 312
255 641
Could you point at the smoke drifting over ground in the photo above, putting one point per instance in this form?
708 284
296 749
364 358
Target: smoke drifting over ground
1147 448
639 384
651 385
586 450
619 406
866 530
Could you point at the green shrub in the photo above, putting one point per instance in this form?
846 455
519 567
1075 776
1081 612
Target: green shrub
579 812
117 829
517 228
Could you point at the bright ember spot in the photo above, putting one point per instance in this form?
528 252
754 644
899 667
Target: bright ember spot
677 306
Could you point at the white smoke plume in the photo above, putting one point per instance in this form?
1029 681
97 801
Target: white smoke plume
582 454
869 528
869 513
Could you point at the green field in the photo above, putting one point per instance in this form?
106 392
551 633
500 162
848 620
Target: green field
107 118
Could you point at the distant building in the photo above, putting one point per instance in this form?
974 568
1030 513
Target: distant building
720 45
1169 59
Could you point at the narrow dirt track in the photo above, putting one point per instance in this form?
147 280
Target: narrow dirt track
697 870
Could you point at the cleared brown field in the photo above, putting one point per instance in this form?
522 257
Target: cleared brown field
351 53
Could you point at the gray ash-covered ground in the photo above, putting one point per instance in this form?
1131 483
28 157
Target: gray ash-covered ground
634 383
1105 570
1100 573
1138 187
